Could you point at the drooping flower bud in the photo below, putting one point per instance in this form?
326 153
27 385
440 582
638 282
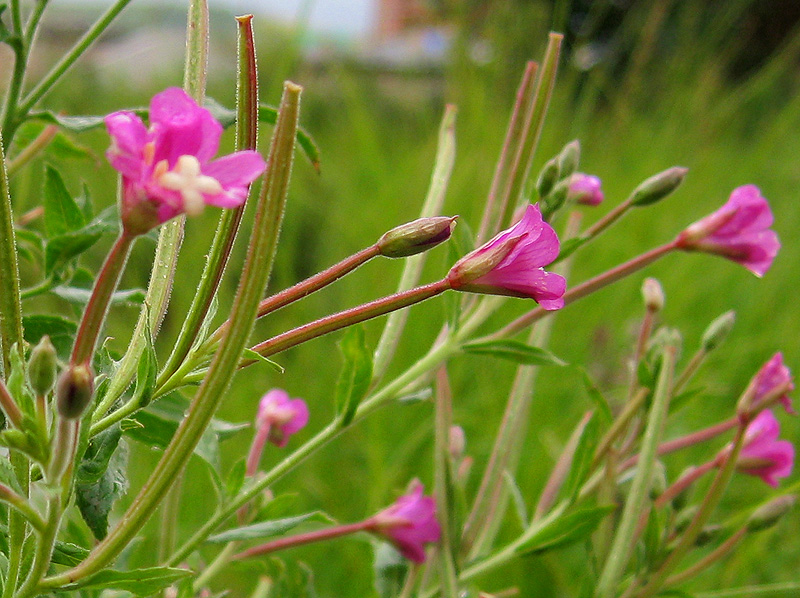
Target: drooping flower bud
512 264
417 236
762 454
585 189
770 379
409 523
718 331
658 186
653 295
457 442
42 367
74 391
739 230
281 416
769 514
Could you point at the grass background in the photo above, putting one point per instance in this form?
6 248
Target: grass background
675 83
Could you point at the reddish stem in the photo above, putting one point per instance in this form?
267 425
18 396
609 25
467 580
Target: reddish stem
307 538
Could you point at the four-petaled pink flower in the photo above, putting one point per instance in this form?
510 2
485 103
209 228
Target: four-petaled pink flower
168 170
585 189
739 230
763 455
772 375
278 418
512 264
409 523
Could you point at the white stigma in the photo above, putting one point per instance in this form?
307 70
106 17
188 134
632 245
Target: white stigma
185 178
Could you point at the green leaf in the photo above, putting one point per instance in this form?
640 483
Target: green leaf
235 481
582 459
141 582
98 455
61 212
565 530
515 351
391 569
516 496
266 529
603 407
18 386
356 374
79 296
60 331
250 354
146 372
95 499
66 553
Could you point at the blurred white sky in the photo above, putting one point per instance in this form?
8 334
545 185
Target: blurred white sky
339 17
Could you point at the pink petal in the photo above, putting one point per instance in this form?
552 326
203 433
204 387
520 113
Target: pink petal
181 127
236 170
129 137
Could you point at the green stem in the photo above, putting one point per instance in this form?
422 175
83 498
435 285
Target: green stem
95 313
620 424
44 548
306 538
9 407
16 527
260 256
215 566
68 59
33 22
437 355
691 368
642 482
710 501
412 269
10 306
443 480
21 505
712 557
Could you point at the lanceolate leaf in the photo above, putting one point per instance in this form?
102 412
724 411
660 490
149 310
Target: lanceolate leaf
61 212
515 351
568 529
95 499
141 582
356 374
60 331
582 459
266 529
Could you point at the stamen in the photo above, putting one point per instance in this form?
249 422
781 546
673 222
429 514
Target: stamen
185 178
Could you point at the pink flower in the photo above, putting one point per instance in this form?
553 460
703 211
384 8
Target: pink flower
739 230
278 418
773 374
409 523
763 455
168 170
512 264
281 416
585 189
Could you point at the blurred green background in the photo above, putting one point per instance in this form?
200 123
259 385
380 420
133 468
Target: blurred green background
643 85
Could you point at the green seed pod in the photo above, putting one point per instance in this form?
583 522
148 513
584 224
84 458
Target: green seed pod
657 187
42 367
74 391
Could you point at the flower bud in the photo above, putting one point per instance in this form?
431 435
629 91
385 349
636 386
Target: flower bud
547 178
653 295
585 189
569 158
556 199
457 442
657 187
769 514
718 331
74 391
417 236
42 367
